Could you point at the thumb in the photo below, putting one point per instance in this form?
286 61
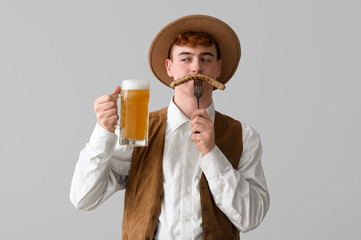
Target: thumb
117 90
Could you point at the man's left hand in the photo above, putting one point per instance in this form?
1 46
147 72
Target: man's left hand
202 131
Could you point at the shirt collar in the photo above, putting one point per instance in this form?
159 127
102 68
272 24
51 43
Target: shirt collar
176 117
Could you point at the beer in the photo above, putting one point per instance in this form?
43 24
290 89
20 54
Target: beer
134 112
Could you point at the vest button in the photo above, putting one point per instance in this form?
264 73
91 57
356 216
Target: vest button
202 187
205 208
206 231
147 238
154 217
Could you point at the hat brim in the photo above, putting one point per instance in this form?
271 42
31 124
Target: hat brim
224 35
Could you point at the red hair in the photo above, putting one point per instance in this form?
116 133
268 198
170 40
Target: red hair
194 39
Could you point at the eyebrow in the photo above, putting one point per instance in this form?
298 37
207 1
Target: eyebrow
202 54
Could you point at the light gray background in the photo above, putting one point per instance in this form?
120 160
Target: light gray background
298 84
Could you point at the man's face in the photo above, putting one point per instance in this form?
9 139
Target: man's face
198 60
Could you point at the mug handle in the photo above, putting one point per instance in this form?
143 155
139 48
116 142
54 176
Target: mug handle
119 123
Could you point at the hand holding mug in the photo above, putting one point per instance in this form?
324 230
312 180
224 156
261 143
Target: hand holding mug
106 110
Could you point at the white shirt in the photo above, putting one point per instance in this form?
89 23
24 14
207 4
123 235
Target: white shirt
104 165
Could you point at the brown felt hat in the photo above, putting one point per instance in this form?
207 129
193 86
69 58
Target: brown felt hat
224 35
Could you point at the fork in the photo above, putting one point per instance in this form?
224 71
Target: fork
198 90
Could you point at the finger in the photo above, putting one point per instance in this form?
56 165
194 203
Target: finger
202 121
201 113
109 123
196 113
105 106
204 129
201 129
106 98
117 90
196 137
199 137
196 129
108 113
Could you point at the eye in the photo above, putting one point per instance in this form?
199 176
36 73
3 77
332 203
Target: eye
185 59
206 60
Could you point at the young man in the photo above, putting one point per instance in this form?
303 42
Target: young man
200 177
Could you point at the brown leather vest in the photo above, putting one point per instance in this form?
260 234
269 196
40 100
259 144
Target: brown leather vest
144 190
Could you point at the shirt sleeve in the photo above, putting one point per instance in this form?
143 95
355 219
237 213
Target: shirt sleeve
241 193
102 169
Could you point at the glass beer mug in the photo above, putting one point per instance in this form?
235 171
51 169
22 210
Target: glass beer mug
134 112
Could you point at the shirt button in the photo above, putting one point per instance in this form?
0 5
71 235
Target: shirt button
187 191
187 219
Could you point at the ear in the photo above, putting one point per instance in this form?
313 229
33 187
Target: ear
168 66
219 68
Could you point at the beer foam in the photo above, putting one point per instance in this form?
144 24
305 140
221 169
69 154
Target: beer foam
134 84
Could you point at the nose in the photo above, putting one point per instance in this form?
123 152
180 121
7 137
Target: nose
196 67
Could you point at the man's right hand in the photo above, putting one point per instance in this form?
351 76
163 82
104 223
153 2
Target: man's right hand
106 110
